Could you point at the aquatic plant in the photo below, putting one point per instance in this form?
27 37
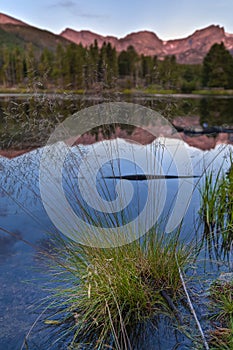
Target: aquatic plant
108 295
221 295
216 211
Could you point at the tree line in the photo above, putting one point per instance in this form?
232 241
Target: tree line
77 67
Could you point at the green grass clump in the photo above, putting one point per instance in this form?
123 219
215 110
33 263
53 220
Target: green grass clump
217 211
110 294
221 294
221 92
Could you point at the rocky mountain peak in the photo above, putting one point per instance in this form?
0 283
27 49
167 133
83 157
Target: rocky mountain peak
191 49
210 31
5 19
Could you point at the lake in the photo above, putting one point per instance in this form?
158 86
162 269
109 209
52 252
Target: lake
26 226
26 122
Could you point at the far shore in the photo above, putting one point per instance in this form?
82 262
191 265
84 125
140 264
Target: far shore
21 92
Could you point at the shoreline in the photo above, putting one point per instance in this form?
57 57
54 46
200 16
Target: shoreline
14 92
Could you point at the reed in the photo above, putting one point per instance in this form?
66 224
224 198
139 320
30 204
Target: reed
221 294
216 212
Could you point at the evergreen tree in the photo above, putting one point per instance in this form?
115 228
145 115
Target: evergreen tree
45 66
6 74
168 73
19 65
111 65
129 65
218 67
147 69
58 73
123 64
31 64
102 64
91 65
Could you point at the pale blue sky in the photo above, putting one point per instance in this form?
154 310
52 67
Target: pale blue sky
167 18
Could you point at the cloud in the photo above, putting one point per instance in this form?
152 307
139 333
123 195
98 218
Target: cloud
91 15
67 4
75 10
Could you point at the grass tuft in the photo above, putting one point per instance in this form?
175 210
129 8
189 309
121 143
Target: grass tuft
217 212
110 294
221 294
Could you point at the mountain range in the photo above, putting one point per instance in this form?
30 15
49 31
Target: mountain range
191 49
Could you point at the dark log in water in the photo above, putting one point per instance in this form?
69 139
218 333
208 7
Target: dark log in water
142 177
204 131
